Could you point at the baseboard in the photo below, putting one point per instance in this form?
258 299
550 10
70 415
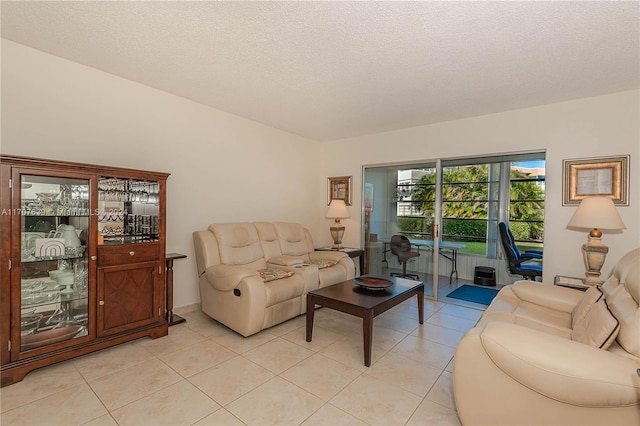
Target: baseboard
186 309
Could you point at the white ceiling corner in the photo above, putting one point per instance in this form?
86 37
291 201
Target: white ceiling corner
331 70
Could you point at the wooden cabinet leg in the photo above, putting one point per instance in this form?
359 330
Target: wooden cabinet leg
172 319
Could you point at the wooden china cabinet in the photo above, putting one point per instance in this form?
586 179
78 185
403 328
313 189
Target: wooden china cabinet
83 260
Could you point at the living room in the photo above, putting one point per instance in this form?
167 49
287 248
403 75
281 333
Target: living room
227 168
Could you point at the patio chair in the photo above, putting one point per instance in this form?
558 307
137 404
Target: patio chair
401 247
516 261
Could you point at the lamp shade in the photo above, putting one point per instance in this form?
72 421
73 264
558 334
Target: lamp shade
598 213
337 209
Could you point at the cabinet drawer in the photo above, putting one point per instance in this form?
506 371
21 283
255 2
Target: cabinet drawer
127 253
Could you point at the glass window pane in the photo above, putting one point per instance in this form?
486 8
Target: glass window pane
526 206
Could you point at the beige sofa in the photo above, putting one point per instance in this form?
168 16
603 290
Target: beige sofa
543 354
253 276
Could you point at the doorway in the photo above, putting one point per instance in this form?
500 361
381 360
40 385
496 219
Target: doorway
391 209
452 207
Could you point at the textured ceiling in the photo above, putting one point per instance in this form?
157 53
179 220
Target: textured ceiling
329 70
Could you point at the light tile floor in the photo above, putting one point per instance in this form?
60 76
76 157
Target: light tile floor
205 374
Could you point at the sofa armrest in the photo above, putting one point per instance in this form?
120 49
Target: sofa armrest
561 369
308 272
561 299
227 277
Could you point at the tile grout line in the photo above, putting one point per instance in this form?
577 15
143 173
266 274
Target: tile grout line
438 307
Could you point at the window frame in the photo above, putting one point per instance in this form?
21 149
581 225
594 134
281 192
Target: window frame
497 200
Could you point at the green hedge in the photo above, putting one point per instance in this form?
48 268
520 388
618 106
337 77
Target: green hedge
417 224
526 231
469 228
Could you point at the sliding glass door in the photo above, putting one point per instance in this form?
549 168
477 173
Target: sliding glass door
449 211
401 203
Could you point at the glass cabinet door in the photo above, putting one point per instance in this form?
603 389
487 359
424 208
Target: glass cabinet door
128 210
54 267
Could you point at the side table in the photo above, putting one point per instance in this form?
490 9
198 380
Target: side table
570 282
352 252
171 318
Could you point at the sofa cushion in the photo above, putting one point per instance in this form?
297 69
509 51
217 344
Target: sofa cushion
544 315
274 274
238 244
554 297
541 307
284 290
591 296
598 328
268 240
293 239
533 324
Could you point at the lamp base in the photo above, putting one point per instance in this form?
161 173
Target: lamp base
337 231
594 253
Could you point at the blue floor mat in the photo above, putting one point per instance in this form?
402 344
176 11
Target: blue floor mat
470 293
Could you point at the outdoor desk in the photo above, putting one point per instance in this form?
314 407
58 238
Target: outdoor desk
447 250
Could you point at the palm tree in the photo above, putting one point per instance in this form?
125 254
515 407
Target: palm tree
465 192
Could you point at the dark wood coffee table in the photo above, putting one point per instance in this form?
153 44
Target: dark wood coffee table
350 298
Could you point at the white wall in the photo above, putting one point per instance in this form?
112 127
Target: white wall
223 168
226 168
599 126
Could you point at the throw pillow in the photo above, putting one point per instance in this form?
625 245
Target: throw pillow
625 308
591 296
321 264
598 328
273 274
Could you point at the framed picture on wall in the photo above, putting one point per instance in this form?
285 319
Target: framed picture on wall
596 177
339 188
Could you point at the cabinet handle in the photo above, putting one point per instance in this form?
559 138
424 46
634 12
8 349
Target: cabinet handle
94 257
101 303
131 253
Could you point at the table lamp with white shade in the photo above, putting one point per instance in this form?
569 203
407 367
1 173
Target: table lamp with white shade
337 210
596 214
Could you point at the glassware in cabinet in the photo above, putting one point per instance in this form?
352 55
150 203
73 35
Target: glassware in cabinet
54 222
128 210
